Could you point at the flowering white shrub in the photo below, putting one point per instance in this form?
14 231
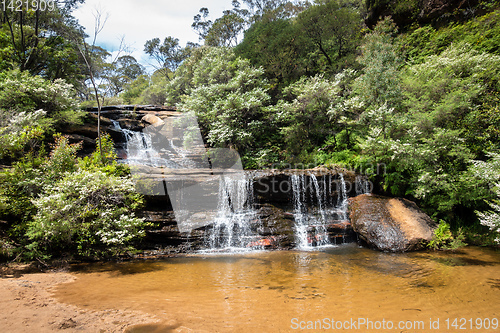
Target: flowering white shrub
228 96
490 171
491 219
19 91
90 212
16 130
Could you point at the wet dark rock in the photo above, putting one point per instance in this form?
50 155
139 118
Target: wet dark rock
130 124
104 120
266 243
390 224
275 222
88 144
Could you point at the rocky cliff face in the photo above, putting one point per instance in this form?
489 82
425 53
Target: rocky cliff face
290 208
129 117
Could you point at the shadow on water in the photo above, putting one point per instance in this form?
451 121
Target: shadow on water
494 283
119 268
155 265
463 261
152 328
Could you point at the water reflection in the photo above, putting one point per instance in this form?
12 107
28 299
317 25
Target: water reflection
265 291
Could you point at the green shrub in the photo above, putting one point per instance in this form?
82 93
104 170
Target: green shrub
62 158
444 239
20 132
482 33
88 213
19 91
105 162
228 96
490 171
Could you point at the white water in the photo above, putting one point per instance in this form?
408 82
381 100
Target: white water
141 151
231 229
363 185
315 211
235 215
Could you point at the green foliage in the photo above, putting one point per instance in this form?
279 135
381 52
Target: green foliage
18 185
444 239
42 43
225 30
155 93
490 172
121 72
134 89
20 133
62 158
88 213
274 46
380 81
447 87
31 198
481 33
105 162
303 114
332 32
323 38
19 91
168 54
25 180
228 96
146 90
404 11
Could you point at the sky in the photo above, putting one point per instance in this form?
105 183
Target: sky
140 20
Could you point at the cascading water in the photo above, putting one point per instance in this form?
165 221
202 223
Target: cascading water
218 199
363 185
234 214
140 149
232 228
315 211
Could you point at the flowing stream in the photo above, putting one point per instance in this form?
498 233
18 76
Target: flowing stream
274 291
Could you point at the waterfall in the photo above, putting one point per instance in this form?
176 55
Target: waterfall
314 209
342 199
213 198
232 227
363 185
141 151
299 195
228 214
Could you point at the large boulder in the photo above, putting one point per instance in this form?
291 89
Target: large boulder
390 224
153 120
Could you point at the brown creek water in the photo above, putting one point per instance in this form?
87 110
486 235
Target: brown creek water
345 288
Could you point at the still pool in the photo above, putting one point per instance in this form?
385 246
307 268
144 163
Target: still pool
345 288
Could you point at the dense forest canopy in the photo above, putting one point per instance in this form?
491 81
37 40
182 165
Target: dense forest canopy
405 92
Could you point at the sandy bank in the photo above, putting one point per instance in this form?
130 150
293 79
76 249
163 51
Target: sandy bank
27 305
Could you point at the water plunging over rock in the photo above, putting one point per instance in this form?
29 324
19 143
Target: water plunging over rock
260 209
236 217
316 214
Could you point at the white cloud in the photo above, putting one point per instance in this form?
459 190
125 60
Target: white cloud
141 20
